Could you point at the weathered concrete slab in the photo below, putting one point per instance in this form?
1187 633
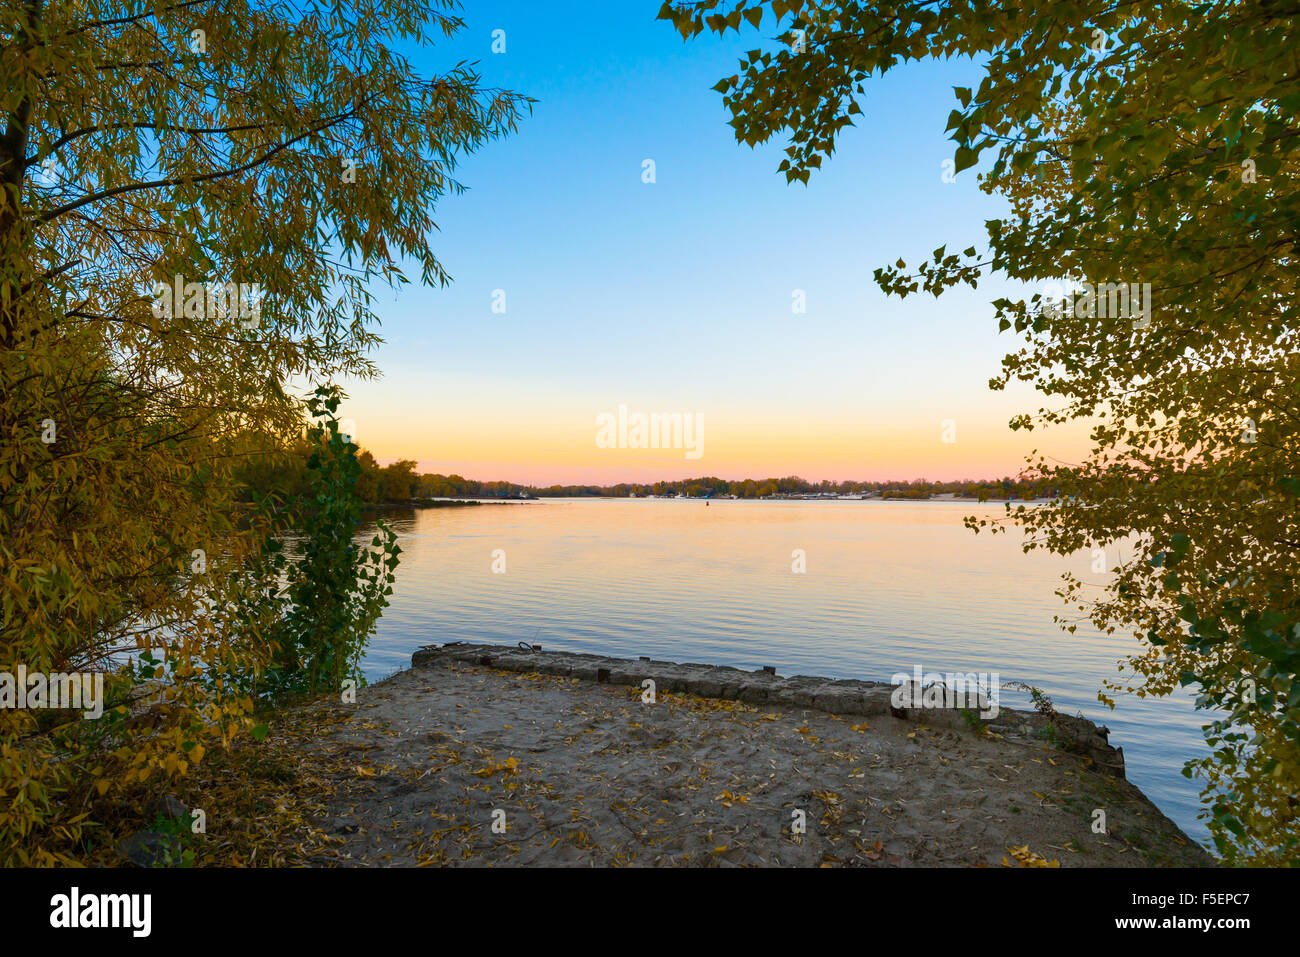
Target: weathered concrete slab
455 763
833 696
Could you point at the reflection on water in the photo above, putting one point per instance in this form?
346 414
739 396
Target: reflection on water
888 586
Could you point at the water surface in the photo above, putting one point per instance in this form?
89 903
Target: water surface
888 586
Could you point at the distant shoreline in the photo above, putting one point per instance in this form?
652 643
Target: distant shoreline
460 503
443 503
775 498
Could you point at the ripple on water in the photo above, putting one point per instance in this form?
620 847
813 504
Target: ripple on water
887 586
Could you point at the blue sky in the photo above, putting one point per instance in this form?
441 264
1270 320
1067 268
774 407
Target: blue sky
677 295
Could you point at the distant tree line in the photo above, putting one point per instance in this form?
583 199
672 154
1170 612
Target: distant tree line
400 483
713 487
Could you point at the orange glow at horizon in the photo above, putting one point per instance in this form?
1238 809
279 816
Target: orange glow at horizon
548 446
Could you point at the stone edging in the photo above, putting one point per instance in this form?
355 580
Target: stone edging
848 697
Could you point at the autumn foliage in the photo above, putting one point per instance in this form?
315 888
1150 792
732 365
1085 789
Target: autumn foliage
284 146
1138 143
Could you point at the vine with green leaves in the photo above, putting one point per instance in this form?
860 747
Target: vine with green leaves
335 590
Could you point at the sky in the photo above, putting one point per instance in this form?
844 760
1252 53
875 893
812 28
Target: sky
678 295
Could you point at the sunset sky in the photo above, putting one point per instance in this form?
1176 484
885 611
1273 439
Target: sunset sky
676 296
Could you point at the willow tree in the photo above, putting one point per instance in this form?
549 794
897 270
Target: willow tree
197 197
1139 143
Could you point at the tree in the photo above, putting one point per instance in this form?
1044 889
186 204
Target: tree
1149 152
398 482
194 199
368 481
336 590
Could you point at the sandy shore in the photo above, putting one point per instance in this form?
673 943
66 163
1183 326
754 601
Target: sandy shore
460 763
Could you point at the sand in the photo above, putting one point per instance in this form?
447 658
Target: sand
457 763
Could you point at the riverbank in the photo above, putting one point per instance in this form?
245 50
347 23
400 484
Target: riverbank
478 756
439 503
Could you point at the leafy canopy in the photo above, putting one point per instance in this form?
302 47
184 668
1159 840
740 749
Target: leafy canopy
1148 142
290 147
